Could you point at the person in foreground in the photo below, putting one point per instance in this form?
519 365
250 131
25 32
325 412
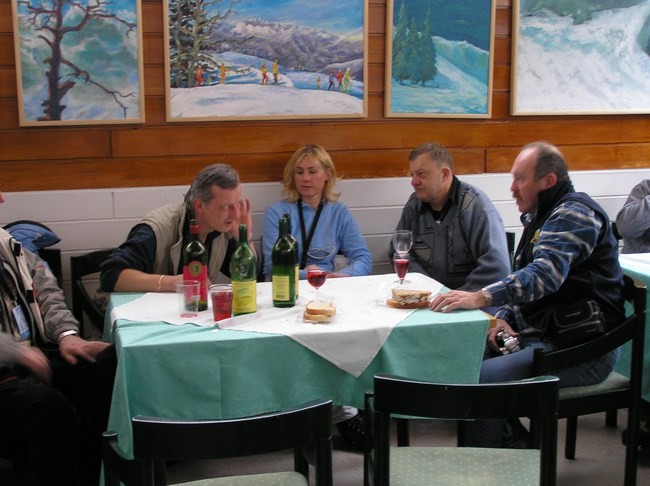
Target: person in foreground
324 228
55 387
567 252
633 224
458 235
150 260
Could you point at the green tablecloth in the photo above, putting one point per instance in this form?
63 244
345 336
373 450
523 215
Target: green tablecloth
196 372
638 265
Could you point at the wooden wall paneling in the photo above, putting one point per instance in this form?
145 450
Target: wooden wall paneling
8 83
46 144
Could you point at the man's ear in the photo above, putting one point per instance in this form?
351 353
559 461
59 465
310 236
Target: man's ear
550 180
197 205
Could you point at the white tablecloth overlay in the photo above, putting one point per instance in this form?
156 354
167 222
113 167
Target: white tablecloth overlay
356 334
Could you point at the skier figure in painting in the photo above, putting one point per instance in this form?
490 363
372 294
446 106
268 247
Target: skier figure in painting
274 69
199 75
265 75
332 79
347 81
339 79
223 70
318 83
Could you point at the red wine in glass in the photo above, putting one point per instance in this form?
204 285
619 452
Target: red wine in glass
401 266
316 278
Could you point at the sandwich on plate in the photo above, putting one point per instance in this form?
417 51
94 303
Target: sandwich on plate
318 312
409 299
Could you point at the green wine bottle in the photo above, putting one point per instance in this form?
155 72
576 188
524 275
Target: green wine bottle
243 276
195 263
283 267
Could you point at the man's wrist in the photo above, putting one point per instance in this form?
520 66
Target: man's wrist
70 332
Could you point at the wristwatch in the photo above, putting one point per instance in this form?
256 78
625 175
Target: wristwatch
487 295
66 333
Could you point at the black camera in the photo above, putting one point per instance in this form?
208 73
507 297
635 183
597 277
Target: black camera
507 344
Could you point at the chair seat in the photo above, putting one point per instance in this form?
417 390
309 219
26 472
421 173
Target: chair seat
289 478
414 466
613 382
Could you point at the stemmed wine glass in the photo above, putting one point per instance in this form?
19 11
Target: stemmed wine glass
316 278
401 266
402 241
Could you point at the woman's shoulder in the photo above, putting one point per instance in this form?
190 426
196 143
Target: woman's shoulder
280 207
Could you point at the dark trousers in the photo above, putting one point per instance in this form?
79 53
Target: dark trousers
53 433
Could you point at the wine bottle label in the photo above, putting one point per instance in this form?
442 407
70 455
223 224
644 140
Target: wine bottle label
297 280
244 297
281 287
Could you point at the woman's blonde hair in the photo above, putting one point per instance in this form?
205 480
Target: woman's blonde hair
290 192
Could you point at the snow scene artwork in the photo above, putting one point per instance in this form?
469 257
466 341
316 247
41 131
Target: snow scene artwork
259 59
439 58
78 63
581 57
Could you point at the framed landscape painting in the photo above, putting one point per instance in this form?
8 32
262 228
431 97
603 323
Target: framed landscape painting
574 57
439 58
260 59
79 62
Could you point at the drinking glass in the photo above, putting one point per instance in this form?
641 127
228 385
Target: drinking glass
401 266
402 241
316 278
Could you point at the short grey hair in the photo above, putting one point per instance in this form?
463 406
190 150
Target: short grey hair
549 161
221 175
437 152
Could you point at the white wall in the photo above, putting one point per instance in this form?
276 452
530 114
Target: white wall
91 219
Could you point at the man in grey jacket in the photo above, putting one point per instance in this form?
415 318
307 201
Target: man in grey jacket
458 235
55 387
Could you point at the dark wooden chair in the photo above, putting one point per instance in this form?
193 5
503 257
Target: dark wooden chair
83 303
385 465
617 391
157 440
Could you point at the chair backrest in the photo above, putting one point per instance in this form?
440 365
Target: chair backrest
510 240
82 301
536 398
156 440
52 256
631 329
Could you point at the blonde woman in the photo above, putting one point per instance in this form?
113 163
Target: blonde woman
322 226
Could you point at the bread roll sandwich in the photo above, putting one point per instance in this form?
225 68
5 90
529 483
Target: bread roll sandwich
318 312
409 299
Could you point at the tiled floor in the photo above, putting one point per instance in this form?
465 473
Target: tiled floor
599 457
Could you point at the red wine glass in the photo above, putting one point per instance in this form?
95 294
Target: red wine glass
401 266
316 278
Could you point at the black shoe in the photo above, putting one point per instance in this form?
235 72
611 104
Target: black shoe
643 435
515 435
353 430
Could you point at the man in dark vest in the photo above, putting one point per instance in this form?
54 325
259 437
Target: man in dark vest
567 253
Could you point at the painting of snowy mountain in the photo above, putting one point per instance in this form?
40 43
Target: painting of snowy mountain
581 57
257 59
439 58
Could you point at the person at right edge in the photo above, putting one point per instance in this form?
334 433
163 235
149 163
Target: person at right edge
633 224
567 253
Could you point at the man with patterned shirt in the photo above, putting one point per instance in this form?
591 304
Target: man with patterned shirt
567 252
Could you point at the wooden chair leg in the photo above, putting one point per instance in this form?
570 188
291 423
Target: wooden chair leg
611 417
403 439
570 440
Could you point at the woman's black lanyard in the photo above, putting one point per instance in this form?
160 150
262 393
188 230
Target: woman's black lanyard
307 239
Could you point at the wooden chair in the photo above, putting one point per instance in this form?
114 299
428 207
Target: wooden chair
156 440
617 391
412 466
82 302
